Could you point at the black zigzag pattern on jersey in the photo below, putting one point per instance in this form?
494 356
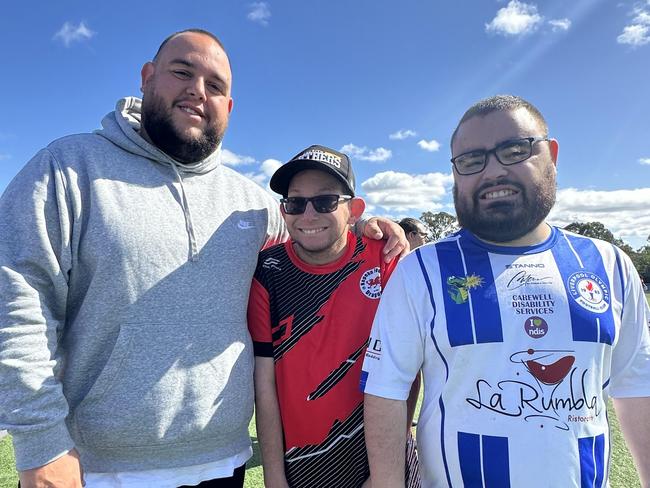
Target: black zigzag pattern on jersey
340 461
336 375
293 292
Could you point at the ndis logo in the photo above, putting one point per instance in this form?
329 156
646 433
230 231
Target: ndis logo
370 283
535 327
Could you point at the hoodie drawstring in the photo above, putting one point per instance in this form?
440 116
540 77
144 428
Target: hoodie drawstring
189 225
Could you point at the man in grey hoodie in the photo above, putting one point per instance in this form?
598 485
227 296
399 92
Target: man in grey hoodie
126 257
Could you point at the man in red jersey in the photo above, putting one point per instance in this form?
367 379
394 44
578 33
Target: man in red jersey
312 303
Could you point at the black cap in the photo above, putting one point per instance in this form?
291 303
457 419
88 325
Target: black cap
314 157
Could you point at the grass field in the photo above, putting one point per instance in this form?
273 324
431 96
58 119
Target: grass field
623 473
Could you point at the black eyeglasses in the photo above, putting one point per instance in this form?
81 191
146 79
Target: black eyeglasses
508 152
321 203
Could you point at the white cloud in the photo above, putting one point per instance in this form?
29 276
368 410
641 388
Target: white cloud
70 33
260 12
624 212
4 156
266 170
365 154
634 35
431 146
638 32
400 192
402 134
642 17
232 159
515 19
560 24
644 161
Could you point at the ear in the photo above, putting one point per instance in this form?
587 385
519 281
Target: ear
230 104
357 206
146 72
282 210
555 148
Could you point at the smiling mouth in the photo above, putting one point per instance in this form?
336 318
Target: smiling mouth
311 232
493 195
190 110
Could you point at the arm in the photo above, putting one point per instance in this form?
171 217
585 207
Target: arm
383 228
269 424
35 260
384 421
64 472
412 400
634 416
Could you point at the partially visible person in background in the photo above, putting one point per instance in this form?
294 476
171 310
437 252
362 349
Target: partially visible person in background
416 232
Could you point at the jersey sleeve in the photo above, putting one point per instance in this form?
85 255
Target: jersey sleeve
630 376
259 320
396 347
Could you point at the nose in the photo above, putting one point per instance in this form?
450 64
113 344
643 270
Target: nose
196 88
493 168
310 211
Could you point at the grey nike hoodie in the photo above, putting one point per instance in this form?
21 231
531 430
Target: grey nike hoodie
124 277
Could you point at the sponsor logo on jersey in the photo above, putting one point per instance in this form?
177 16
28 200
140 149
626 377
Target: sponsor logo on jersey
535 327
547 387
370 283
533 304
525 265
526 278
459 287
245 225
374 348
271 263
589 291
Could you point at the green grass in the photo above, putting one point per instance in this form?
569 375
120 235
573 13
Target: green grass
623 474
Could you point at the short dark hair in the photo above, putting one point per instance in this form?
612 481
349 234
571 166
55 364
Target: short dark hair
194 30
501 103
409 224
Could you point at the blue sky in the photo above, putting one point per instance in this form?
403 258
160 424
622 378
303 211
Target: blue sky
384 81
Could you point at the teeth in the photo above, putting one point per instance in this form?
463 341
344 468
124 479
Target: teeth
498 194
312 231
189 110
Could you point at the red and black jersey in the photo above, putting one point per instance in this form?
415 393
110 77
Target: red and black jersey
315 322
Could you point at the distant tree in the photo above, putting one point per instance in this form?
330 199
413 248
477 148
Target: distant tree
640 258
440 224
591 229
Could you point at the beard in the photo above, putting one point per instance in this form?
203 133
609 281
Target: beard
158 123
508 221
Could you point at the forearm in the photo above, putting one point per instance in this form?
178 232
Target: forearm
634 417
384 422
269 429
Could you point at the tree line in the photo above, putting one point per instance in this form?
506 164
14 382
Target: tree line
442 224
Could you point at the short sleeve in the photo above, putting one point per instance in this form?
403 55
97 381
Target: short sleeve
259 320
396 348
630 375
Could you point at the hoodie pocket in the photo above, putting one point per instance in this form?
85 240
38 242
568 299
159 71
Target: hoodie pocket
166 384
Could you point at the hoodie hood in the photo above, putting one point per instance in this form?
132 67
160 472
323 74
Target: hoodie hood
122 127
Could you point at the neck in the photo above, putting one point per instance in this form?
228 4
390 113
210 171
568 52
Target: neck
538 235
322 257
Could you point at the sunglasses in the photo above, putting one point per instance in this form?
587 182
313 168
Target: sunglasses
321 203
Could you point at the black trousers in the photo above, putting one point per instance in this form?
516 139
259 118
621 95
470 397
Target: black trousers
234 481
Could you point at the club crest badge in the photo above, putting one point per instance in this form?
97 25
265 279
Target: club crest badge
589 291
370 283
